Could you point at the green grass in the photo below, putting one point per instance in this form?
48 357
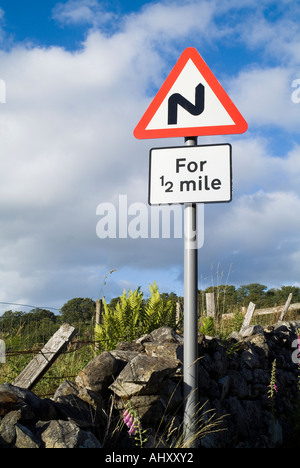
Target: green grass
22 346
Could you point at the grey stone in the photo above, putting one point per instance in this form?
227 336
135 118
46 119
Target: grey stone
65 388
171 395
233 382
30 403
25 438
204 380
260 376
250 359
99 373
166 335
74 409
224 384
167 350
80 404
8 426
238 417
65 434
237 385
220 362
253 413
150 409
124 355
275 432
143 376
251 330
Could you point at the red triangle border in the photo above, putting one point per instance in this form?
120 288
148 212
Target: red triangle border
240 124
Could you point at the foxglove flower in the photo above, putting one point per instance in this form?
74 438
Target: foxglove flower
272 386
131 422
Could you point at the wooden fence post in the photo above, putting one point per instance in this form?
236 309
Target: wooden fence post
35 370
98 319
211 309
286 307
178 312
268 311
2 352
98 311
248 317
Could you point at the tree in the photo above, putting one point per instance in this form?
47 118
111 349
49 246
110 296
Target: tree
40 314
253 292
9 314
282 294
226 298
270 298
78 310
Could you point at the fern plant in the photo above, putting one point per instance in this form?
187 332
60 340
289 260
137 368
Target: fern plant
157 313
133 317
207 326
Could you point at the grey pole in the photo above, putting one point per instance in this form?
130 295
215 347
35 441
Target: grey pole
190 357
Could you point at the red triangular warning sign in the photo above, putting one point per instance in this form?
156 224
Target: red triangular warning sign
191 102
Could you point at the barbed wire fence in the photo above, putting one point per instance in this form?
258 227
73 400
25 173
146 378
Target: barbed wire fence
25 337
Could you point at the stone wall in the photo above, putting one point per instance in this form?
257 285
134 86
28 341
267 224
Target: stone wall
147 374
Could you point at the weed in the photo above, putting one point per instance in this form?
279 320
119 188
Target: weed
132 317
207 326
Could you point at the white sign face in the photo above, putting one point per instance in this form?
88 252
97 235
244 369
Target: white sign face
213 113
190 174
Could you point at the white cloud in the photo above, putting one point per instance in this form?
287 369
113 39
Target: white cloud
172 20
265 97
80 12
258 235
261 220
67 145
280 38
255 168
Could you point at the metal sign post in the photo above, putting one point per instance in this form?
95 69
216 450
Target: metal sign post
190 102
190 357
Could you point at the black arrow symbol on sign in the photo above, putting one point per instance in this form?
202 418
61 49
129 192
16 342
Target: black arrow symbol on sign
178 100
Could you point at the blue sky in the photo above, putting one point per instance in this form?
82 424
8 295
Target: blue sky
79 75
37 21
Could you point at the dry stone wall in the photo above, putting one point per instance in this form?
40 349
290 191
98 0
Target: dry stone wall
234 379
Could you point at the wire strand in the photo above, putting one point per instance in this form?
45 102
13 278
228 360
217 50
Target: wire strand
26 305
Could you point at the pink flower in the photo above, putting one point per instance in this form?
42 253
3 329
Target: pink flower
132 430
131 422
128 420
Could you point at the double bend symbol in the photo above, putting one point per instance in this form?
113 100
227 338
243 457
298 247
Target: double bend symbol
178 100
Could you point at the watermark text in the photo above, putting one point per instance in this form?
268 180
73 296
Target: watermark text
138 220
2 92
296 93
296 353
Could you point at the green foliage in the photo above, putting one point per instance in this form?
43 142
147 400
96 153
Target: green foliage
157 312
207 326
132 317
22 330
16 319
119 323
78 310
228 297
237 320
253 292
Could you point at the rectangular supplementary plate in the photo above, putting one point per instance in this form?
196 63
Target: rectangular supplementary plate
190 174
